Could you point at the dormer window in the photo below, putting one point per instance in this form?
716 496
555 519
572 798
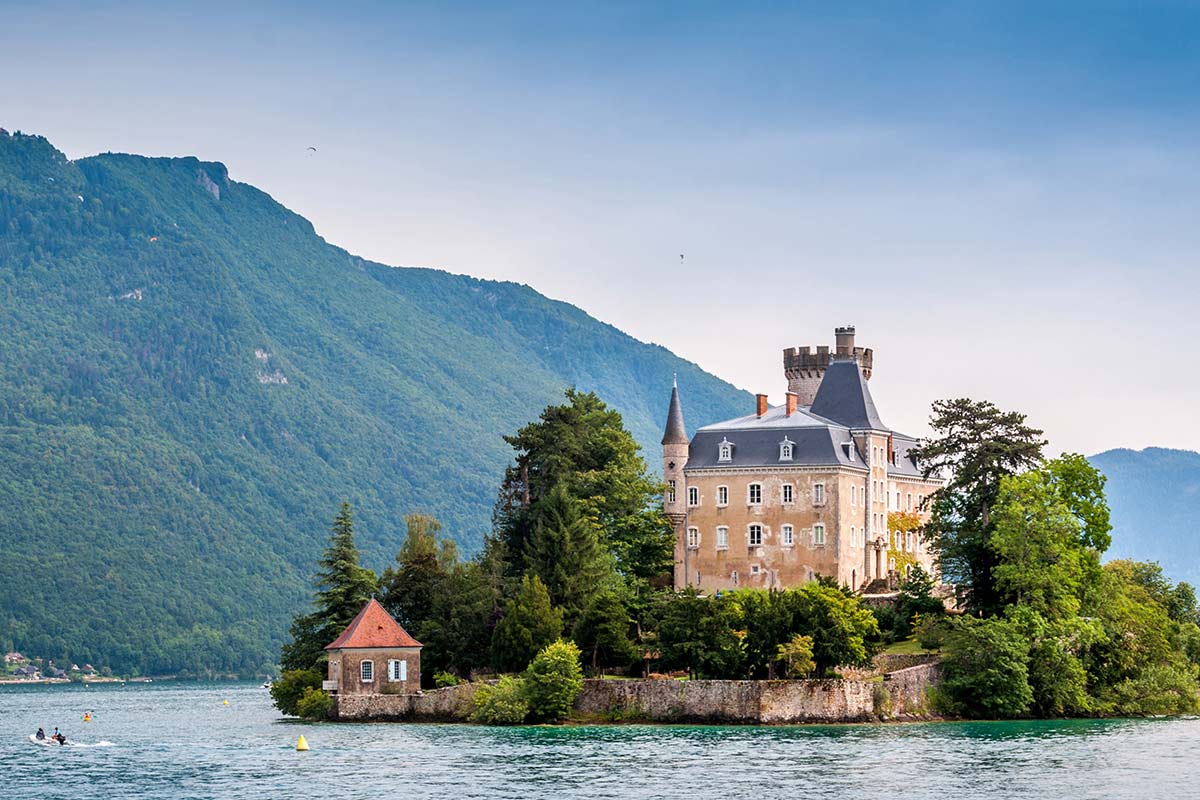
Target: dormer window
725 450
785 449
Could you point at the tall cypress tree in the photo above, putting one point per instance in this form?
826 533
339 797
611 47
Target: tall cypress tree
565 552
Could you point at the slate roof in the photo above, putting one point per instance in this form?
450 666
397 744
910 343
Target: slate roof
844 397
811 446
373 627
676 432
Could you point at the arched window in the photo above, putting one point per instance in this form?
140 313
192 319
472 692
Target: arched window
754 535
693 496
725 450
366 670
693 539
722 496
722 538
785 449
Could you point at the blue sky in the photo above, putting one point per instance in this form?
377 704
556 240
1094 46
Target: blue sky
1001 196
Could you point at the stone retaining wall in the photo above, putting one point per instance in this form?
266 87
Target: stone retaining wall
902 694
888 662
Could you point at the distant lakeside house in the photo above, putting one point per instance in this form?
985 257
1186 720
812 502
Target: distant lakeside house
373 655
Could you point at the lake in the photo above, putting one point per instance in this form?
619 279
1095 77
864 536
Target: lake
170 740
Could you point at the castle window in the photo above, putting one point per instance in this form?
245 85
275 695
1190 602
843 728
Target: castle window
397 669
725 450
754 536
366 670
755 569
733 576
670 491
818 534
722 538
787 493
788 535
908 501
853 538
722 496
693 495
853 495
785 449
693 539
818 494
864 537
754 494
897 501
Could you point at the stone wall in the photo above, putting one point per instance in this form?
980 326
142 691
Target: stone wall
899 695
888 662
452 704
736 702
908 691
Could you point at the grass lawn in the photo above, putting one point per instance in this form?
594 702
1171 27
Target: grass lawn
906 647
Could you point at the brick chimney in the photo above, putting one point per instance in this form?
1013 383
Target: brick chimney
761 402
793 401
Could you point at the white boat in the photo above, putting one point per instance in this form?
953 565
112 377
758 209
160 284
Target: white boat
47 742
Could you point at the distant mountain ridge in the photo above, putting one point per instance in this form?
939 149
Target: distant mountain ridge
191 380
1154 494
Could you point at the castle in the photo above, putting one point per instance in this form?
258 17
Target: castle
816 487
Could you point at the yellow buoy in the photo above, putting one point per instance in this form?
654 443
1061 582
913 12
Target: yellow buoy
301 744
226 702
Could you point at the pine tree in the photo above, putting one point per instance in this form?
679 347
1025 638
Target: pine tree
564 551
422 568
529 623
343 588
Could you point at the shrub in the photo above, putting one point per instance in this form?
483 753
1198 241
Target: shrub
930 630
502 704
553 681
797 657
314 704
1159 689
986 668
445 679
290 688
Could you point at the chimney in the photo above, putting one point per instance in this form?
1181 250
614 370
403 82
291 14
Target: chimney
761 402
844 341
793 400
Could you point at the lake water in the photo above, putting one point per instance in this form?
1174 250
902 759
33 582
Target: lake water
180 741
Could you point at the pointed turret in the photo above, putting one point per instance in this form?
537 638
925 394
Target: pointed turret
675 432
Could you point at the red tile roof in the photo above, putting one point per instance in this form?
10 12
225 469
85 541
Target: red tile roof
373 627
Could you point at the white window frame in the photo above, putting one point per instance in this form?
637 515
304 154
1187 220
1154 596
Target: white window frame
693 494
725 451
818 534
787 536
722 537
788 492
754 494
722 496
363 675
670 491
750 535
908 501
755 569
818 494
786 449
693 538
397 670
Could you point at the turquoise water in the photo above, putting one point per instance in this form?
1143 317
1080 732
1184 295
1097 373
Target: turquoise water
181 741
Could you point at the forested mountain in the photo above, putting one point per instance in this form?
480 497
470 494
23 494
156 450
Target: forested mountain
1154 494
191 380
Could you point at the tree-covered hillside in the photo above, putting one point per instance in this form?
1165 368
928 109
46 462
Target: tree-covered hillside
1154 494
191 380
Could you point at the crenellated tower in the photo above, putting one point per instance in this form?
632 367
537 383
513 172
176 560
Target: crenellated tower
805 368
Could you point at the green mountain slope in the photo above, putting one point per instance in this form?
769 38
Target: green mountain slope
1153 494
191 379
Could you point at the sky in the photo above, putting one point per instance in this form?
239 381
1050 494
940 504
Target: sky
1001 197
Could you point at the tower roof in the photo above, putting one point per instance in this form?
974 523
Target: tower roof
845 398
373 627
676 432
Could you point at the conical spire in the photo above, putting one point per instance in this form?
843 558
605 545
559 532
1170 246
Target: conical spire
676 432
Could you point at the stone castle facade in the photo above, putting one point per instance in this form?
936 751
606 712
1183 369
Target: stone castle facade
816 487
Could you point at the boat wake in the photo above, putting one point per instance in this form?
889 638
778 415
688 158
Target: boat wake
48 742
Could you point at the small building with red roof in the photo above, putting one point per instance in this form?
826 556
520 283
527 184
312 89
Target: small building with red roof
374 655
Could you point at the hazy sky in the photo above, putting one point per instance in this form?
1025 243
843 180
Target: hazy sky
1003 197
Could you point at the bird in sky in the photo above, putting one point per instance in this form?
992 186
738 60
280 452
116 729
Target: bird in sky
681 256
313 149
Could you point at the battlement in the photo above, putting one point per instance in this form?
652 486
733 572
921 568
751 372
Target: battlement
804 367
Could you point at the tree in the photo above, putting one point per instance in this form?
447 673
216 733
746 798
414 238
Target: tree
985 665
553 681
915 598
1040 563
343 588
564 551
529 624
843 632
796 656
502 704
290 688
584 446
422 565
603 632
976 444
697 634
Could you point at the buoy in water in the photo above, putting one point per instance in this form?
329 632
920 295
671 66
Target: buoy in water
87 717
301 744
226 702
